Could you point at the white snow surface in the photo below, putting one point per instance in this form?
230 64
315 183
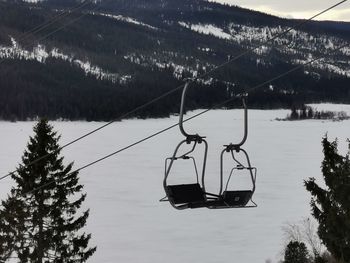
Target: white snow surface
127 222
32 1
207 29
126 19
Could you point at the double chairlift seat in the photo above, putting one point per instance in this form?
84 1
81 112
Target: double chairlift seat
193 196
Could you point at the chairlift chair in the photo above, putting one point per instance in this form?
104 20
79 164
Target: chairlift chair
193 195
236 198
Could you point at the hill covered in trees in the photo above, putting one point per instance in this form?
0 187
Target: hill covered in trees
112 56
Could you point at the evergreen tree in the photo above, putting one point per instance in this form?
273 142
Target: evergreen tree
303 114
294 113
296 252
331 205
320 259
39 218
310 113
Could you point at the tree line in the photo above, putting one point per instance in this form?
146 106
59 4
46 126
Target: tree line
304 112
54 90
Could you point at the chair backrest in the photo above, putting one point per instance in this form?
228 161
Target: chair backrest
185 193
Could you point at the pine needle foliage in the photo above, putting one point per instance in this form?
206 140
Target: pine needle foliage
296 252
331 205
44 225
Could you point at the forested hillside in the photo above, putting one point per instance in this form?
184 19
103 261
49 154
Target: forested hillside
111 56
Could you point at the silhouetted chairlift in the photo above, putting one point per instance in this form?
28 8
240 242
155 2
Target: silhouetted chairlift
193 195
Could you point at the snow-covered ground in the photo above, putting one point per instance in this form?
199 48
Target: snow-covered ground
126 19
127 222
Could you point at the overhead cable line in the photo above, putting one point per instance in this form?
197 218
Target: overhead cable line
129 113
303 22
51 33
49 22
188 119
56 18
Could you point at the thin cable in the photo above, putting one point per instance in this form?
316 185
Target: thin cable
167 93
188 119
93 131
56 18
53 32
65 25
173 90
273 38
62 27
46 24
45 156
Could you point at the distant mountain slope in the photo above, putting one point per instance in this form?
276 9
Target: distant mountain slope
119 54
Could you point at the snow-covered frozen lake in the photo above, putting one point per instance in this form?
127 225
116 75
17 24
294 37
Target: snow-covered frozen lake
127 222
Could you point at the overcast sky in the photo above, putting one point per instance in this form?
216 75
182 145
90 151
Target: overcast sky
296 8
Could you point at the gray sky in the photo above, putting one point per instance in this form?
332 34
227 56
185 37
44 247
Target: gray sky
296 8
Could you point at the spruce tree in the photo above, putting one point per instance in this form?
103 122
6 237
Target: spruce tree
303 114
296 252
294 113
40 221
331 205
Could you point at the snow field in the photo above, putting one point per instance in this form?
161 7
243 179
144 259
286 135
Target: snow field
127 222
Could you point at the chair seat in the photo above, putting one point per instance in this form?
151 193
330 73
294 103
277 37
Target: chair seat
237 198
230 199
185 193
